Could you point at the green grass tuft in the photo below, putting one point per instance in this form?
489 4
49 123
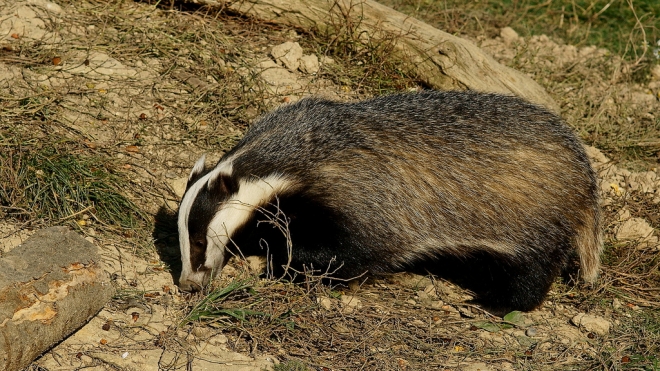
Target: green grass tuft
210 306
625 27
52 183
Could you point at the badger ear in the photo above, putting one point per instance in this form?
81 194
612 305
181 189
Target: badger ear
198 169
196 172
222 183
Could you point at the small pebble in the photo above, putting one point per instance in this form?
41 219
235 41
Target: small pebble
531 332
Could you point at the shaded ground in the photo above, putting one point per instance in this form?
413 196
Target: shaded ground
148 90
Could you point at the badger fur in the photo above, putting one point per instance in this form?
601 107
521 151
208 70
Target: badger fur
489 191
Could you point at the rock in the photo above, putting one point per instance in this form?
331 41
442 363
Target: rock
278 78
350 303
508 35
46 5
532 331
257 264
288 54
49 287
643 99
596 155
646 181
326 60
178 186
655 72
637 229
325 302
567 335
309 64
595 324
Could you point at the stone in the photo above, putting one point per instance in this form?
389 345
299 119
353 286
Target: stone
178 186
637 229
325 302
508 35
289 54
591 323
257 264
350 303
309 64
655 72
279 79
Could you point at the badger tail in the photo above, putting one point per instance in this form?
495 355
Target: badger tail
589 242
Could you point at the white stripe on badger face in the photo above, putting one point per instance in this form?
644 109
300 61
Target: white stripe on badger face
236 211
187 274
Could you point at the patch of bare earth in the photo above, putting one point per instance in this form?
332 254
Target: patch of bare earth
153 89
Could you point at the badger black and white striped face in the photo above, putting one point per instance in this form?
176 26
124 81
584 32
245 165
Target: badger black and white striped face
217 204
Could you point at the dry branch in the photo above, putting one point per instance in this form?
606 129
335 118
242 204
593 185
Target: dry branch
49 286
440 60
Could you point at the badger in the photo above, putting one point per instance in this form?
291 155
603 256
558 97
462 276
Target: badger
485 190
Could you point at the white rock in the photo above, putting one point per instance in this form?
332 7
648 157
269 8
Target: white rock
350 303
643 99
278 78
655 72
595 324
257 264
636 229
595 154
309 64
178 186
46 5
508 35
646 181
288 54
325 302
327 60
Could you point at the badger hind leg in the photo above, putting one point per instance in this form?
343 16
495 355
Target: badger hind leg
501 282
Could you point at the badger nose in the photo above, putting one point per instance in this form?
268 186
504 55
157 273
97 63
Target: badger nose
189 286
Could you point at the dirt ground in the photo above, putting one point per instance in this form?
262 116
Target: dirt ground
153 89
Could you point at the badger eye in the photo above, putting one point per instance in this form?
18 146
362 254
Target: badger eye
200 244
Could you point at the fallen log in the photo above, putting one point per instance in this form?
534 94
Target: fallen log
440 60
49 286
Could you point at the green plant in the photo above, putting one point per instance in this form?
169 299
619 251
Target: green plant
51 181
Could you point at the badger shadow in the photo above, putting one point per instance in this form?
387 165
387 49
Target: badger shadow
166 241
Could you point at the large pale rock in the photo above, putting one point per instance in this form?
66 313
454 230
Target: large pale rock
289 54
637 229
49 286
590 323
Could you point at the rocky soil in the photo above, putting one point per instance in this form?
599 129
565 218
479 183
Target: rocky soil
153 117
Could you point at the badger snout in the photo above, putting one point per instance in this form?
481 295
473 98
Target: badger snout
189 286
195 281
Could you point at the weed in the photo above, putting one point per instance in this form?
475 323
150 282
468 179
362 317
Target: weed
48 181
622 26
209 307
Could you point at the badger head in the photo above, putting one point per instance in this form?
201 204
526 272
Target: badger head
203 249
215 205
